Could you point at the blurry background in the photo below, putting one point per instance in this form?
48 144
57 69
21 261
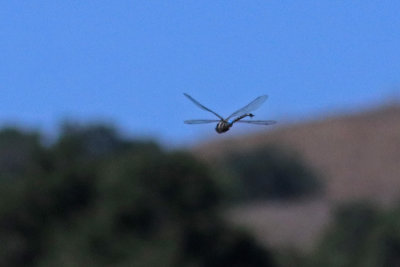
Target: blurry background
97 167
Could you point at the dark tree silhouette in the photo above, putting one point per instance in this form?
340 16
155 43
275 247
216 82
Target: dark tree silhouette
94 198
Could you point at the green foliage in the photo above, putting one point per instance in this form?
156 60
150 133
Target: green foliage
18 152
360 236
271 173
94 198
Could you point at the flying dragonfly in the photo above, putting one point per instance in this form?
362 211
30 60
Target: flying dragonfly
224 125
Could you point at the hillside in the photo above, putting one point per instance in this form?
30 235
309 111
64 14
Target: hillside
357 155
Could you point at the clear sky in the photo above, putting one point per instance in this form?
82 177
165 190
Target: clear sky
128 62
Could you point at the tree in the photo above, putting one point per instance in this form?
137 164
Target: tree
94 198
271 173
361 235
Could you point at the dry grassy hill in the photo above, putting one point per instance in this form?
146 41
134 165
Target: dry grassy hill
358 156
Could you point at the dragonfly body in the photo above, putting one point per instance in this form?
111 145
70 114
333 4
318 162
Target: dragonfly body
223 125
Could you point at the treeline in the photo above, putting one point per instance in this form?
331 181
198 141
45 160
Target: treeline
94 198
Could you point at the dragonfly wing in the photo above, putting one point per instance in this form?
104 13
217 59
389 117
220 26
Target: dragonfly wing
258 122
199 121
253 105
201 106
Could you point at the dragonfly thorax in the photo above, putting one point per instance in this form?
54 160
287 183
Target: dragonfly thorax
223 126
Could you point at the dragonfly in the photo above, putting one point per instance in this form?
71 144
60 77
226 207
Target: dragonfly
223 125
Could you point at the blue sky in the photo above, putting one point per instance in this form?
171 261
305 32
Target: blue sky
128 62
